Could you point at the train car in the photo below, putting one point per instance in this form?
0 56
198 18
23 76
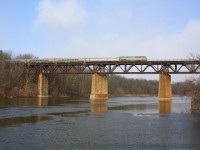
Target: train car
83 60
101 59
68 60
132 58
37 60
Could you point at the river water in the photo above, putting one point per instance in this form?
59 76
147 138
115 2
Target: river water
74 123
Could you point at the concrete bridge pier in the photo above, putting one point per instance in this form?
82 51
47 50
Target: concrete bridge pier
164 93
43 85
99 91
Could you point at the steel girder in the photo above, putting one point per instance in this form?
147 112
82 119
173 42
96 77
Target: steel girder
139 67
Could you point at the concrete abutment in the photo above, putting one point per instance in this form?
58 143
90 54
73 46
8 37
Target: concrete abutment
164 94
43 85
99 89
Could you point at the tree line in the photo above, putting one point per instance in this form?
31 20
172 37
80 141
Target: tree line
15 81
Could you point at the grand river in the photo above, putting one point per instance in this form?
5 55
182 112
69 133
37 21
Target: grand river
74 123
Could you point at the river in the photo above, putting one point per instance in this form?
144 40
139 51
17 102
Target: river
73 123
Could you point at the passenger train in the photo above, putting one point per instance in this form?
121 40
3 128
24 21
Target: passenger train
56 60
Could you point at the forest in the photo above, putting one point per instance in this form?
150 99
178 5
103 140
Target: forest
16 82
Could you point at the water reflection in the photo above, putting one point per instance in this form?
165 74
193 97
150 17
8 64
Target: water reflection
42 101
21 120
36 101
99 108
71 114
2 104
134 104
164 105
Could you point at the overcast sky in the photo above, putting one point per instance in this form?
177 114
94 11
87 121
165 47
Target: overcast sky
157 29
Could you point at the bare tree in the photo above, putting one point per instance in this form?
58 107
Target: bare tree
26 56
194 88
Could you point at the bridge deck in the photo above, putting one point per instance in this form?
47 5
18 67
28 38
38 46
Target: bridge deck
116 67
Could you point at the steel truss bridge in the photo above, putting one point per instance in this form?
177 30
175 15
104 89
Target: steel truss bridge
115 67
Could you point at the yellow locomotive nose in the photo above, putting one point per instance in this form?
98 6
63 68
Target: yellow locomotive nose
133 58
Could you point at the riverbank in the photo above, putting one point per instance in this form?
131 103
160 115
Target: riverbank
195 107
132 95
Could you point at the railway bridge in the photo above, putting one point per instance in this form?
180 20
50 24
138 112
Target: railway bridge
101 68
